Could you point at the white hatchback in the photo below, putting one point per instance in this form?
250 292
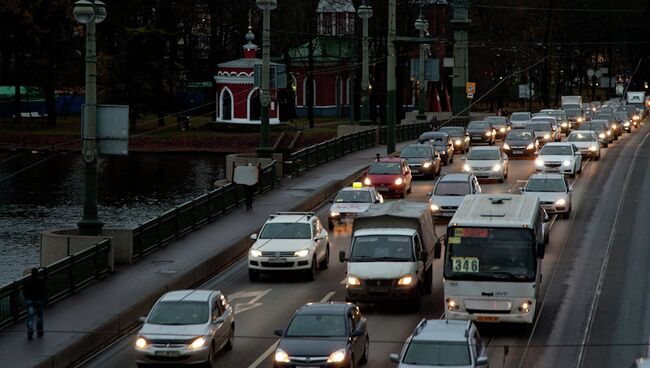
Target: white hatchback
560 157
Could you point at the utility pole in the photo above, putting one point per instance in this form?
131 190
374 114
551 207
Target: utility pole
460 22
421 25
390 79
264 149
365 12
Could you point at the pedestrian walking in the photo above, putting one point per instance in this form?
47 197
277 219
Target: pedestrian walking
35 294
247 177
249 191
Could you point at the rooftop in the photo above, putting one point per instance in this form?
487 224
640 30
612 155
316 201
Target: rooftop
442 330
196 295
324 308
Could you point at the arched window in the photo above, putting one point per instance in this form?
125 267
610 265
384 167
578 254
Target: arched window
304 91
294 89
226 104
348 91
254 105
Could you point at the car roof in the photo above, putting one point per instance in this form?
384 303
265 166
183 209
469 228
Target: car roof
195 295
434 134
441 330
297 217
390 159
418 145
484 148
455 177
351 189
339 308
560 144
546 176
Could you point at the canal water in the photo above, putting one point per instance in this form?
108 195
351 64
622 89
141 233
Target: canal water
50 195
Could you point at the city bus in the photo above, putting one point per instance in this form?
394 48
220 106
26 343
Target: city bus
493 258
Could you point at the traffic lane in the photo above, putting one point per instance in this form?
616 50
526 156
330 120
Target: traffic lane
620 330
561 323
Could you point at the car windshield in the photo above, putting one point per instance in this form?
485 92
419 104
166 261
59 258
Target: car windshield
416 151
387 248
573 112
353 196
539 127
580 137
490 254
520 135
556 150
483 154
285 230
546 185
453 131
437 353
387 168
317 325
179 312
593 126
478 125
452 188
499 120
519 116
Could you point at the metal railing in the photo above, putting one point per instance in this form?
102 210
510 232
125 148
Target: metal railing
62 278
405 132
191 215
312 156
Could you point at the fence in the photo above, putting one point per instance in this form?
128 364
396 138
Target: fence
61 279
405 132
191 215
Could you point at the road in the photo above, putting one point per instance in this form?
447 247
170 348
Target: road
570 313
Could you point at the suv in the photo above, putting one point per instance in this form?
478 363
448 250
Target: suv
289 241
442 343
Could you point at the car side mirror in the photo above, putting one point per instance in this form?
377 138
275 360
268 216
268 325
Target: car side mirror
482 360
358 333
320 236
278 333
220 319
142 319
342 256
522 189
254 236
394 357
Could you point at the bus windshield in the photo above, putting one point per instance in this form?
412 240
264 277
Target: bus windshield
496 254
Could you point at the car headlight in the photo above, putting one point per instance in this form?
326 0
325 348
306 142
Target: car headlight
141 343
502 130
198 343
547 136
506 146
399 181
592 148
560 202
458 142
281 356
256 253
636 117
525 306
301 253
467 168
539 162
614 126
530 146
367 181
334 214
496 167
337 356
609 132
567 163
451 304
627 124
579 120
434 207
426 165
601 135
564 125
488 134
353 281
406 280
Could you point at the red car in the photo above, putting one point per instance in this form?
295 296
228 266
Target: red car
389 175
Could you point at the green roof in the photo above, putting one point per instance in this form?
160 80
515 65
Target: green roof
8 93
326 49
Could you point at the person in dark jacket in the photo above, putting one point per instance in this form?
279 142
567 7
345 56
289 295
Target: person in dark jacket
249 191
35 294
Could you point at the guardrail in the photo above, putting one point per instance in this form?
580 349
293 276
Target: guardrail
312 156
191 215
62 278
405 132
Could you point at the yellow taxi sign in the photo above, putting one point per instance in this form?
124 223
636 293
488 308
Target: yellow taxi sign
357 185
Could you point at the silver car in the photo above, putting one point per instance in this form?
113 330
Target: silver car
587 143
186 327
449 191
553 192
487 162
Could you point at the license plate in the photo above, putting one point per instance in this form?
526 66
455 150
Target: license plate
415 171
476 138
517 152
167 353
347 220
487 319
447 213
277 260
382 189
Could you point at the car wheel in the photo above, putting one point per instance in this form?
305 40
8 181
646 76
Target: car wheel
597 158
142 365
330 224
310 274
231 339
326 261
210 362
451 160
253 275
353 362
580 169
402 195
366 350
500 181
446 161
505 173
410 187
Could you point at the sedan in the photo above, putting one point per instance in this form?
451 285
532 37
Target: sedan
487 163
449 191
390 175
481 132
601 128
323 335
442 144
520 119
501 125
422 159
561 157
553 192
520 143
459 136
587 143
186 326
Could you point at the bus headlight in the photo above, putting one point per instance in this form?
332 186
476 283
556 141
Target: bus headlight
405 280
452 305
525 306
353 281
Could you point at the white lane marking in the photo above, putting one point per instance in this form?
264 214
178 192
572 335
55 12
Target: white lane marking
255 295
272 348
603 268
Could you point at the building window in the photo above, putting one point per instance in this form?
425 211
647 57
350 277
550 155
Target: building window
304 91
226 104
254 105
327 23
341 23
348 90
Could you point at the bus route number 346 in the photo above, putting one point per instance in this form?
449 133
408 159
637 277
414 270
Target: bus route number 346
464 264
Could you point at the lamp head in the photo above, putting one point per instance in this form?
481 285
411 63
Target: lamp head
100 11
84 11
267 4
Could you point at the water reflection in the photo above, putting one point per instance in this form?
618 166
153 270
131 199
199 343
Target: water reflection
50 195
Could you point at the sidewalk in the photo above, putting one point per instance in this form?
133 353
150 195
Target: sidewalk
87 320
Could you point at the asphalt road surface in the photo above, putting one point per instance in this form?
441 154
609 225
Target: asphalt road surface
595 285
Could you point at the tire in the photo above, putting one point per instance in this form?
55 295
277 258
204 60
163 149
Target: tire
231 339
310 274
414 304
330 224
451 159
402 195
410 187
428 282
505 174
366 349
597 158
446 161
353 362
500 181
326 261
253 275
210 362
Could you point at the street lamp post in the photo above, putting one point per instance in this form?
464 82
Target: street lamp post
90 13
365 12
460 22
391 89
421 25
264 149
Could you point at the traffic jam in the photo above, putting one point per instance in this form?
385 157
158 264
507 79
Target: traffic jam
461 220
